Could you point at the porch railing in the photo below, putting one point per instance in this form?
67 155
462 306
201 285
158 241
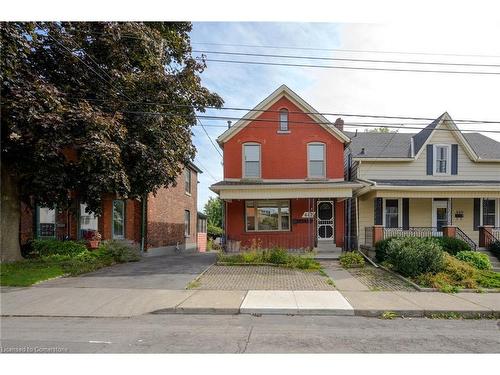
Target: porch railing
412 232
462 236
496 233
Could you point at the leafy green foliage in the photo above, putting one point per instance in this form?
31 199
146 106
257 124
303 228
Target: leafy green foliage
352 259
278 256
457 274
388 315
213 231
452 245
104 105
412 256
56 247
65 260
213 210
381 249
478 260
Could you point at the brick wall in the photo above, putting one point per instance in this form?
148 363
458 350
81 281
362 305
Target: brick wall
165 214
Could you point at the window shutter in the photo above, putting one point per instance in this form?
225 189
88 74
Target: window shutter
454 159
430 159
406 213
377 205
477 213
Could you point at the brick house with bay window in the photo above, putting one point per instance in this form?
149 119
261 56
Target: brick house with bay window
166 220
284 177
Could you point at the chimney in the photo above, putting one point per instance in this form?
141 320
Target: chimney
229 124
339 124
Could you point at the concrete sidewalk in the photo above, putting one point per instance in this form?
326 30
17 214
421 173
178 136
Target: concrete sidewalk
115 302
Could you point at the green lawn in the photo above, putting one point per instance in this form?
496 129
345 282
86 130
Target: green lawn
28 272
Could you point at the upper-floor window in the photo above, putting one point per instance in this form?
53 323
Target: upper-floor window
251 160
316 159
284 120
187 180
442 156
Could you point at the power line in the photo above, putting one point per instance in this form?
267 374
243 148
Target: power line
351 67
206 170
210 138
343 59
471 121
343 50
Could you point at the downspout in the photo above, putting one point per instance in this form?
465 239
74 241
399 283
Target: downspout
143 221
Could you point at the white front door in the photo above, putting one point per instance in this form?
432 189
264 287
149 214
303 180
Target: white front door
325 220
440 216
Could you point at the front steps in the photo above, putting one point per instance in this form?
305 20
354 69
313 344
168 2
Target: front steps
495 262
327 250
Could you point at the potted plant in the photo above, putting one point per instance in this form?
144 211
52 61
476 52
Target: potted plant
93 238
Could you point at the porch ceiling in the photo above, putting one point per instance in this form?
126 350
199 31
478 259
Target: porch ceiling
285 193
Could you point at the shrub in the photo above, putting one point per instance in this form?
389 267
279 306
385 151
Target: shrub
381 249
489 279
214 231
412 256
495 248
53 247
352 259
452 245
276 255
478 260
119 251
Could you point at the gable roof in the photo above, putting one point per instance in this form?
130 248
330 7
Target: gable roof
280 92
398 145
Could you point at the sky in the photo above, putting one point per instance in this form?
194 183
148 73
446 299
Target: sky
349 91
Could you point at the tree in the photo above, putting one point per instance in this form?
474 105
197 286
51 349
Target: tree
213 210
94 108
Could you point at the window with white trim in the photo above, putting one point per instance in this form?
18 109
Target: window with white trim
391 213
267 215
489 212
46 226
442 157
88 221
284 119
251 160
316 160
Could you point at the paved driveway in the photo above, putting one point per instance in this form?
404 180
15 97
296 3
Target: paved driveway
160 272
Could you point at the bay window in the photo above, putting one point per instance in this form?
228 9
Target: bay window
267 215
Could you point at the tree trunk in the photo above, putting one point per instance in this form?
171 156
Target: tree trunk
10 212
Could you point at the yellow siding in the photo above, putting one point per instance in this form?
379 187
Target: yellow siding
420 212
467 169
365 215
465 224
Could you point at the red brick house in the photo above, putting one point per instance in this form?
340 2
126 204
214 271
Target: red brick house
166 220
284 177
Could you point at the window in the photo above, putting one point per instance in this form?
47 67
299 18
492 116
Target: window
392 213
267 215
489 212
187 180
284 120
251 160
46 226
88 221
187 223
119 219
442 159
316 159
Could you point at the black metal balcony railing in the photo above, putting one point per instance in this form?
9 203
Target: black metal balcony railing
462 236
496 233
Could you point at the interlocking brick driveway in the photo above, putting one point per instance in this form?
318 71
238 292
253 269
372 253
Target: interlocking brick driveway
262 278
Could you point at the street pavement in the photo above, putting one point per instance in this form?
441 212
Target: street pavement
249 334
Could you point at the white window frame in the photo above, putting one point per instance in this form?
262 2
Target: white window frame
281 122
38 207
243 168
309 161
113 235
90 216
448 160
497 211
400 211
256 216
187 174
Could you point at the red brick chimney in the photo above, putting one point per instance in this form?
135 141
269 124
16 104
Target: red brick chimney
339 124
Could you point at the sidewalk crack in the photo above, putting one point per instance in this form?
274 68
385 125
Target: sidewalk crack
247 340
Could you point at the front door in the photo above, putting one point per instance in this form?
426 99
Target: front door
325 220
440 216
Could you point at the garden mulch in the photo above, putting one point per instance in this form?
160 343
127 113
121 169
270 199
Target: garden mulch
221 277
